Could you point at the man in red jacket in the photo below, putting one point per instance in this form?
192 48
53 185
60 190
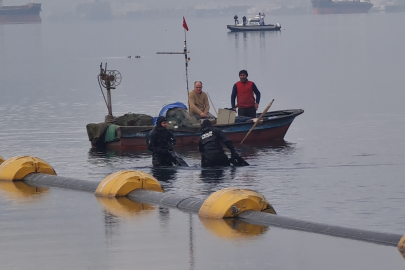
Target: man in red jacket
245 91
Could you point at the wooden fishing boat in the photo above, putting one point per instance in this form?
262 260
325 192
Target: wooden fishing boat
274 127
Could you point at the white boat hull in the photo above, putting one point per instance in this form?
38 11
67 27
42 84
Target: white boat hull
267 27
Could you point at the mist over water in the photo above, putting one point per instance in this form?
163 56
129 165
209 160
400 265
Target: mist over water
342 161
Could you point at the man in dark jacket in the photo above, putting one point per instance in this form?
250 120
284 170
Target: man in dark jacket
236 19
160 141
210 146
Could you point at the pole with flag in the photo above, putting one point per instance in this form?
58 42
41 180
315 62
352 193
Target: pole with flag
185 56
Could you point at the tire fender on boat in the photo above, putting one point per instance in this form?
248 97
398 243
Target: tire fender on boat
16 168
230 202
121 183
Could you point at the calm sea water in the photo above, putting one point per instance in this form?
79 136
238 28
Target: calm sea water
342 161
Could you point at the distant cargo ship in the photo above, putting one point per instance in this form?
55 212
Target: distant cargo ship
340 7
28 13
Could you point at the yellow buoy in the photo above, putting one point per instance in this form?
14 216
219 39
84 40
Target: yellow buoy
123 182
17 168
230 202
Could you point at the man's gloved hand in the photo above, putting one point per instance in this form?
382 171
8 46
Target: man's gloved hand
234 155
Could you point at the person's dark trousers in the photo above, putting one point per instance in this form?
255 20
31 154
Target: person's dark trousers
159 160
249 112
214 160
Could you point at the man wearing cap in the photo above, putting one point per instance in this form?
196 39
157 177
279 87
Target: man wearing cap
160 141
245 91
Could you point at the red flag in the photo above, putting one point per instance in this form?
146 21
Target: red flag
185 24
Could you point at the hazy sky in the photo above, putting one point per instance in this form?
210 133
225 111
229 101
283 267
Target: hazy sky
53 5
50 6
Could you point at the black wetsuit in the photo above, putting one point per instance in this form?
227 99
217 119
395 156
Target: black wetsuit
211 150
160 141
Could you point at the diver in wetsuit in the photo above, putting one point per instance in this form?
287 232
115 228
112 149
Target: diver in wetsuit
210 146
160 141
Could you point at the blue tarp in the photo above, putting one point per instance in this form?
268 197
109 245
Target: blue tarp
166 108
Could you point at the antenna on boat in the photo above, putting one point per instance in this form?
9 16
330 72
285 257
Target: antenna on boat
185 51
108 79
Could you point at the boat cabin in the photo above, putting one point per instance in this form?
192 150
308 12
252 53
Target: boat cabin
254 21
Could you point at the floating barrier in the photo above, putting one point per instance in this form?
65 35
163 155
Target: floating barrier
137 186
17 168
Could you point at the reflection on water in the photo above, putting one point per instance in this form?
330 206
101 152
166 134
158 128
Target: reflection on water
111 226
165 174
124 208
17 191
252 34
278 147
191 241
164 218
212 175
103 153
232 228
120 209
246 38
402 253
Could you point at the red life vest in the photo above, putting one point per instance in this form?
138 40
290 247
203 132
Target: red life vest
245 96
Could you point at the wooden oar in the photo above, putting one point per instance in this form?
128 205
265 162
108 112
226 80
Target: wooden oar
212 104
258 120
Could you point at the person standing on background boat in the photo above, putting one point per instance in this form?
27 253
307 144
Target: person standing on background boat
244 20
236 19
245 91
161 141
210 146
198 101
261 22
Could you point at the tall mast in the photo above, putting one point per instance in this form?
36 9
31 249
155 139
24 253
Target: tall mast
186 62
185 51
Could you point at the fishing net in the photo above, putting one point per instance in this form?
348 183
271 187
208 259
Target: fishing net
134 119
181 118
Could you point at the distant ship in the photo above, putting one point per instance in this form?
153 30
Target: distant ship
340 7
28 13
394 7
94 10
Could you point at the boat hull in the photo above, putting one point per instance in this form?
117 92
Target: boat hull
267 27
274 127
28 13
